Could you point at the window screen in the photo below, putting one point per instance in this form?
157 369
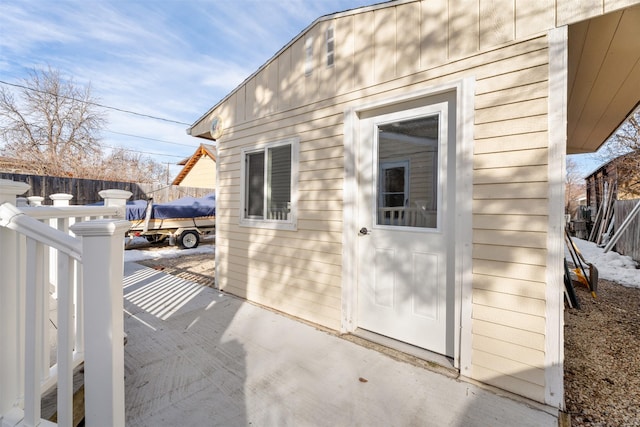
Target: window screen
268 183
255 185
279 188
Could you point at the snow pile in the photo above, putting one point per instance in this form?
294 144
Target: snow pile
133 255
611 266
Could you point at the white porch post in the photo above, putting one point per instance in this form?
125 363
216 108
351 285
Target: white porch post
103 263
10 351
61 199
116 198
35 200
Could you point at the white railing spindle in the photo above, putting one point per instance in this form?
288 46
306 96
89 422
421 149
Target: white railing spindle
65 340
39 254
34 335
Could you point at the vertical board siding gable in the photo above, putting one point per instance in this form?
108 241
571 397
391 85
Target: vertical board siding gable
384 44
364 58
344 39
497 22
434 26
447 30
408 30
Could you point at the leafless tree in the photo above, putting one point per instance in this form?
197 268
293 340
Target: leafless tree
624 147
136 167
54 125
627 137
574 187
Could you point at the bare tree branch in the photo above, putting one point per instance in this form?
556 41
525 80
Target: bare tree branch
55 125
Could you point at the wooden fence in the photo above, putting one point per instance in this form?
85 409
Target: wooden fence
85 191
629 243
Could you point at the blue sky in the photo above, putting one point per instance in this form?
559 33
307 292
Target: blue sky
166 58
172 59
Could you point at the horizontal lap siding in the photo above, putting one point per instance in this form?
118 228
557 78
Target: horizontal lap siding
300 272
510 226
297 272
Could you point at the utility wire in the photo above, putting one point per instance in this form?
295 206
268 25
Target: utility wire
142 152
151 139
95 103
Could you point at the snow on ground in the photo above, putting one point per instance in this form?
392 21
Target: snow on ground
611 266
133 255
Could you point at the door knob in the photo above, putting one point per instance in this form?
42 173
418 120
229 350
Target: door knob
363 231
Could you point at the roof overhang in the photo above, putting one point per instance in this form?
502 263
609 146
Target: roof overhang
603 77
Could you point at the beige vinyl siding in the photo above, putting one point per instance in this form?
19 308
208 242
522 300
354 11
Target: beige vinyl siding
385 56
434 33
407 19
509 227
497 22
382 52
533 17
299 272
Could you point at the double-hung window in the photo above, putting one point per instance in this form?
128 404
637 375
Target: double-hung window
269 185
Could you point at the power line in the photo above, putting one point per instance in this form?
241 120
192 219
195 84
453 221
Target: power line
151 139
96 104
142 152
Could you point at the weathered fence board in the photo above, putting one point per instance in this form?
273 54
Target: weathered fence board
85 191
629 243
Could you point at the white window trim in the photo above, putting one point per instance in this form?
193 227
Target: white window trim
406 164
292 222
464 92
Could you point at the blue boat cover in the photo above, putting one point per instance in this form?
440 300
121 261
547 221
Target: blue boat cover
186 207
136 209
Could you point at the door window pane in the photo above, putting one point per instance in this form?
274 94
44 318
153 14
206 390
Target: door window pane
408 173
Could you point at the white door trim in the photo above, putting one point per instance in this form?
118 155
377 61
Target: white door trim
464 90
554 307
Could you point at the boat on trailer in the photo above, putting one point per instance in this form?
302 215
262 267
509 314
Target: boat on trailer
183 221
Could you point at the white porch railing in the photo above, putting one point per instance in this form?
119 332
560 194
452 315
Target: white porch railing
278 213
64 251
407 217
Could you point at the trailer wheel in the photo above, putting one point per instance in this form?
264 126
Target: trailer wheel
188 239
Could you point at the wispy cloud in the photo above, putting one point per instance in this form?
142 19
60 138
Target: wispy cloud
170 58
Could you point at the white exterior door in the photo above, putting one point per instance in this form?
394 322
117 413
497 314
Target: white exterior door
405 213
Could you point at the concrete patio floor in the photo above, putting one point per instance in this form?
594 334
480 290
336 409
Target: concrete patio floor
198 357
